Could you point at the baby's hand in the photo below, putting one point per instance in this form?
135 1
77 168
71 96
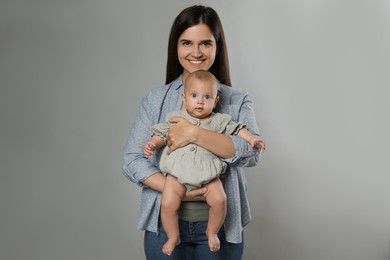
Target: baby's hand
149 148
258 142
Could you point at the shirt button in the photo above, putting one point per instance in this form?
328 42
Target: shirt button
192 149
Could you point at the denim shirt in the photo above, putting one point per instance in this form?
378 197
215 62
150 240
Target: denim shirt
153 109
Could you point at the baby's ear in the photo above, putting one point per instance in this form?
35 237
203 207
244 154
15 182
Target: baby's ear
183 106
216 100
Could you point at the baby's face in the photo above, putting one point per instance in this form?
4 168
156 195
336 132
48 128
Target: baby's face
200 98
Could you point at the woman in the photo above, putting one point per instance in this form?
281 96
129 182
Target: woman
196 42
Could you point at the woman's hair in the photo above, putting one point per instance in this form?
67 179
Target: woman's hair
189 17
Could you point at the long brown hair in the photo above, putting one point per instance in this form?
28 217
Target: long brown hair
191 16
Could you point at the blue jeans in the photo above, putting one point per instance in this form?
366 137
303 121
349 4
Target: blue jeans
193 246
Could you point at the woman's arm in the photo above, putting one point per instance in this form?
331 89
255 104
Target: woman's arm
136 167
183 132
243 111
155 181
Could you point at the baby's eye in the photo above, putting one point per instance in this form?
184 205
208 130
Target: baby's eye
193 95
207 97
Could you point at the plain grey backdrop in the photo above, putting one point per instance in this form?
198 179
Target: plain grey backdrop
73 72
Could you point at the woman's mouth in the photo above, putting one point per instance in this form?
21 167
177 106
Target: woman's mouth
195 61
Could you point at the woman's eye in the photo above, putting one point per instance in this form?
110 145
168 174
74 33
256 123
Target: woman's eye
207 43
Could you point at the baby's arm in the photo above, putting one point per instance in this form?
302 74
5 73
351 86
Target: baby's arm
252 140
154 143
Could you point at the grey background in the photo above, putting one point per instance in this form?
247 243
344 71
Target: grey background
72 74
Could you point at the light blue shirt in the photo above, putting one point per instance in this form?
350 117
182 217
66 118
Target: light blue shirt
152 110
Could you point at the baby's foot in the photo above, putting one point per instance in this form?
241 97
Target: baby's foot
214 243
170 245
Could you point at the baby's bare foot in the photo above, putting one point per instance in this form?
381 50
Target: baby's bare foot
170 245
214 243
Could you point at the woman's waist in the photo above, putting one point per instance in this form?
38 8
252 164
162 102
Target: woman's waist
194 211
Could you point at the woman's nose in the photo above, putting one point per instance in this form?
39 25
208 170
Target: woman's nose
196 52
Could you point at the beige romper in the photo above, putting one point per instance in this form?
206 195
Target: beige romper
193 165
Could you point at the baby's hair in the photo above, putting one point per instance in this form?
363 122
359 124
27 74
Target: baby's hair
202 75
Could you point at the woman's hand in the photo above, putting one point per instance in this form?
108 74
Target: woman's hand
195 195
180 134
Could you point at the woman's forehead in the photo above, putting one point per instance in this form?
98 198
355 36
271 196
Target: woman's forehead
199 32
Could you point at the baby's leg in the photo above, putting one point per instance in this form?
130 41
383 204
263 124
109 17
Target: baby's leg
170 202
216 199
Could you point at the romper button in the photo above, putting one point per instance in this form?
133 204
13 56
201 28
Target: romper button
192 149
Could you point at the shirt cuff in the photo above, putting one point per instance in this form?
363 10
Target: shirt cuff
245 154
144 171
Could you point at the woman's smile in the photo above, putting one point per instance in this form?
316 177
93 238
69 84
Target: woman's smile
195 61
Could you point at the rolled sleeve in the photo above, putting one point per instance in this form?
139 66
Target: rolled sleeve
135 166
240 107
136 170
246 156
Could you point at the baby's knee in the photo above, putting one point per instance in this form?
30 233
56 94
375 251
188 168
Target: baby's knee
218 200
169 204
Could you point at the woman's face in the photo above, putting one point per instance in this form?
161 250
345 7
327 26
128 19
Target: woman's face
196 49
